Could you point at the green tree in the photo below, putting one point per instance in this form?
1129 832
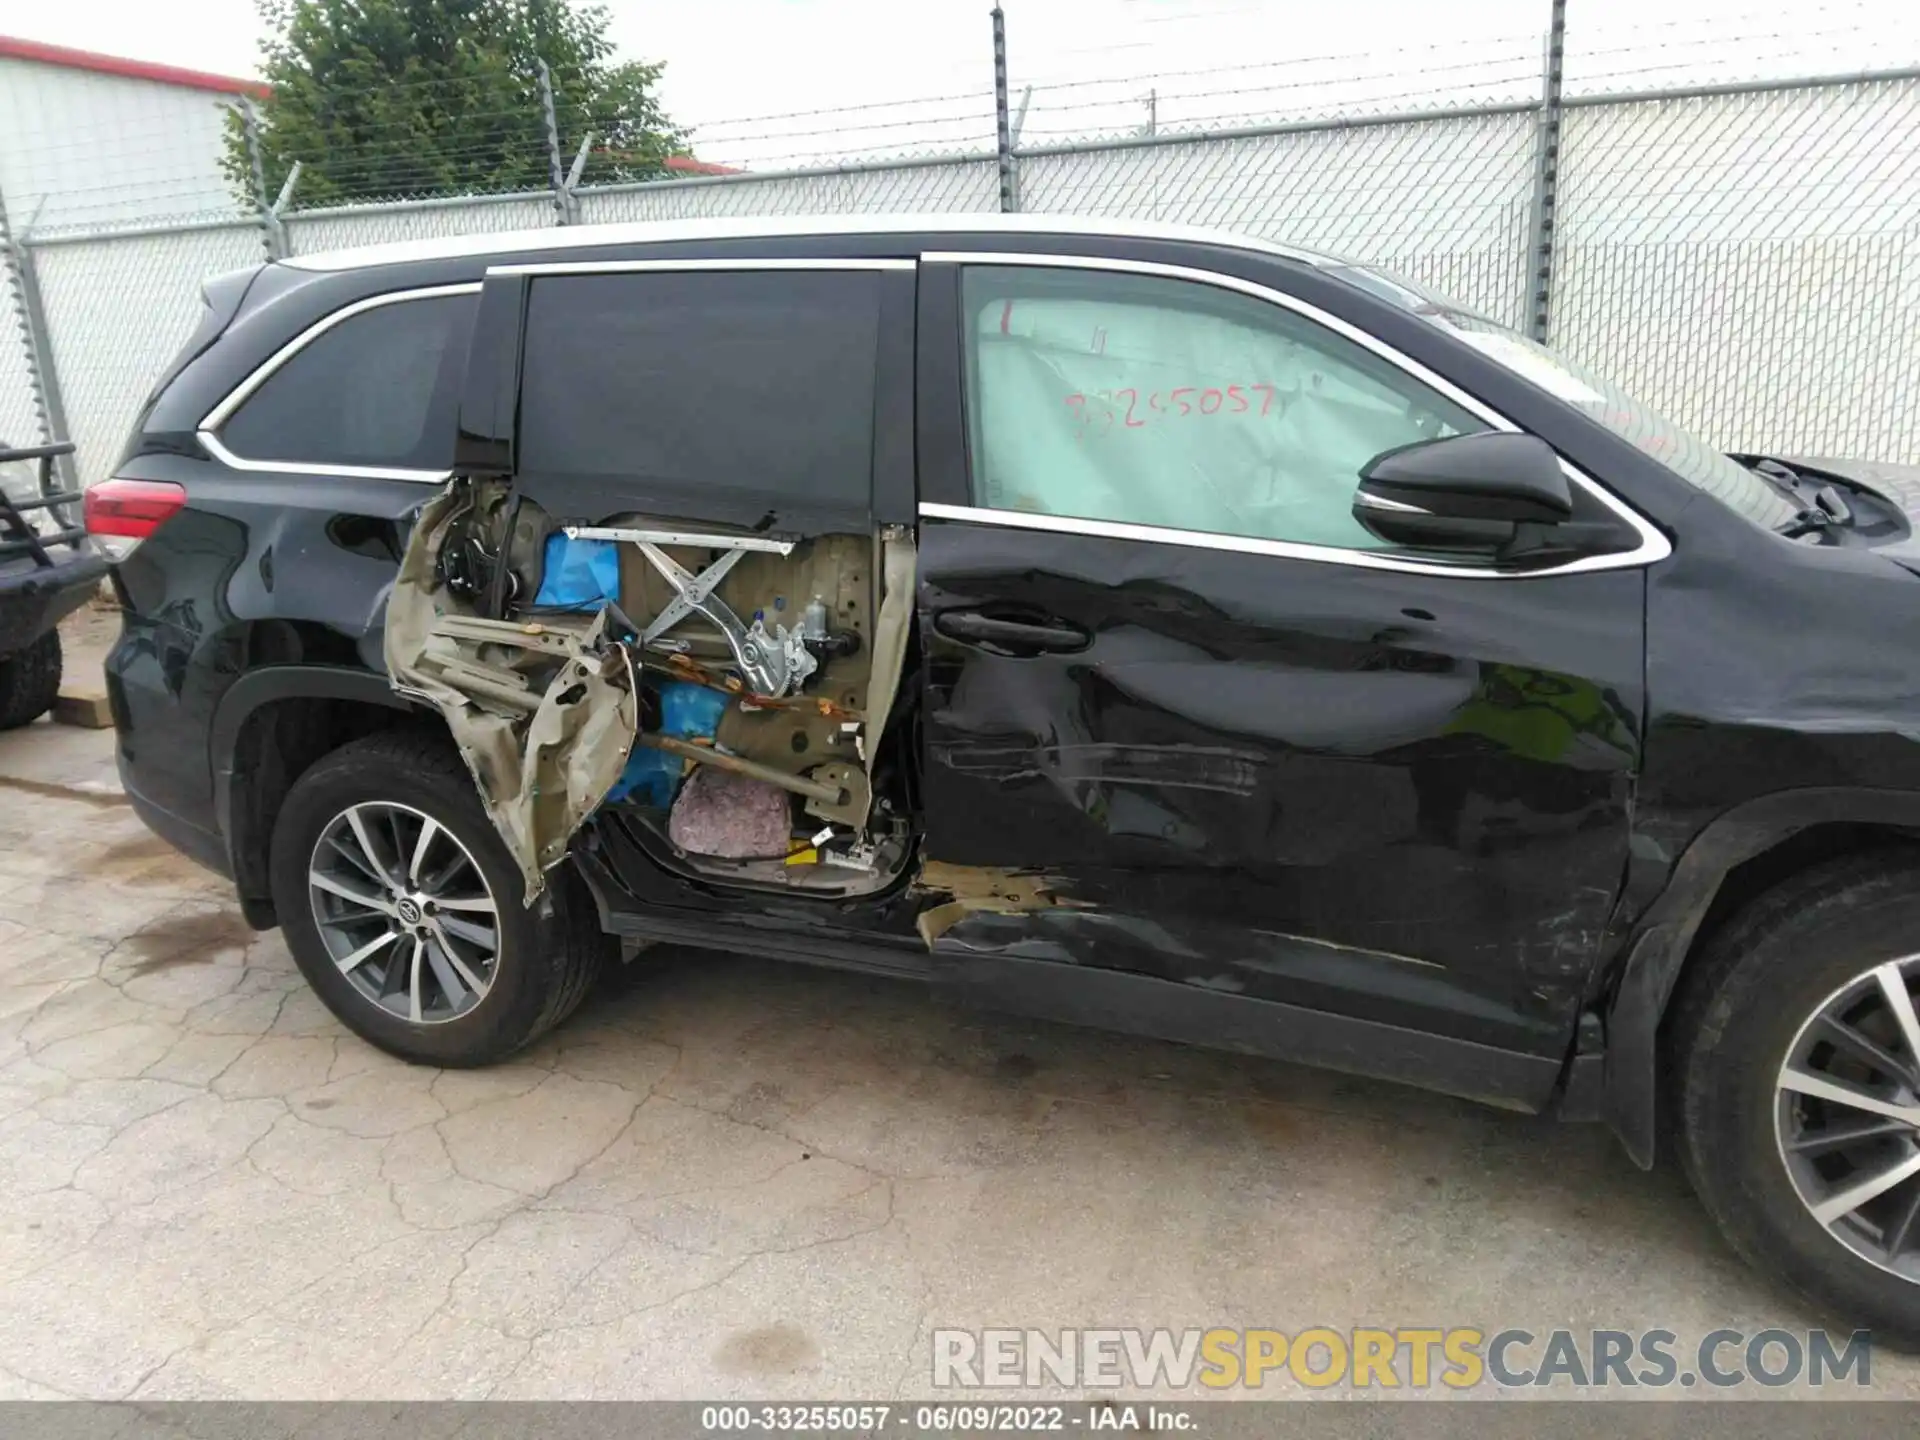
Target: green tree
382 98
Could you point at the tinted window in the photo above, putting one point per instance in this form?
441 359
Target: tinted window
375 389
1165 402
719 394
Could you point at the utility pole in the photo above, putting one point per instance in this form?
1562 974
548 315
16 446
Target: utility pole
1002 119
556 171
1546 179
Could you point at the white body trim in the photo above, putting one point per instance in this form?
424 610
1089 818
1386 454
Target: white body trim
623 267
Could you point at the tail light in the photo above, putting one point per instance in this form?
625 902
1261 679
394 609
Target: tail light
122 513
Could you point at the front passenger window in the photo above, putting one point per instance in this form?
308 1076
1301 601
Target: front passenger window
1107 396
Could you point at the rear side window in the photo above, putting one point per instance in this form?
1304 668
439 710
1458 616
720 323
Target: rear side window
375 390
705 393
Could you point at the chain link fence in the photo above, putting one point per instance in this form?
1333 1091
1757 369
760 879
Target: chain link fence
118 308
1750 262
1747 260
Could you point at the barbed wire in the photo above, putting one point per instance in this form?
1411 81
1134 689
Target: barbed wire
96 171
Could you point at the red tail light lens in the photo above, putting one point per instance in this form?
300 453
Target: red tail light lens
122 513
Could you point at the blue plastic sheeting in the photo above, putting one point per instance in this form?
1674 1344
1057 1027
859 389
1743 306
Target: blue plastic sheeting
579 574
688 712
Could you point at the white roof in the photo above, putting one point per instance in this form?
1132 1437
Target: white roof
573 237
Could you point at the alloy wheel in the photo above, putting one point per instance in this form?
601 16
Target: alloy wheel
1847 1116
404 911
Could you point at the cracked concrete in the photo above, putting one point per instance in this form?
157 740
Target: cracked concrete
724 1178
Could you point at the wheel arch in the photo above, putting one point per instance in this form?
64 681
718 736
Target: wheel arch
1742 854
269 727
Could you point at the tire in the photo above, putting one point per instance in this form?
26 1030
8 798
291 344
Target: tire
1760 1156
30 682
544 960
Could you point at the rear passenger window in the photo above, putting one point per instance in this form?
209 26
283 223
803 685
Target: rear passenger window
375 390
716 393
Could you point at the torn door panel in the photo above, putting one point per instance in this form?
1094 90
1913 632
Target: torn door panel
629 652
543 713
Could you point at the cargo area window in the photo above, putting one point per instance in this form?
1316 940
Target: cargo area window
1151 401
732 395
375 390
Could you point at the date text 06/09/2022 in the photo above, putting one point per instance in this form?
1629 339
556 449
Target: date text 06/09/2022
936 1419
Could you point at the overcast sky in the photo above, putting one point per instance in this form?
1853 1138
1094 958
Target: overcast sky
738 70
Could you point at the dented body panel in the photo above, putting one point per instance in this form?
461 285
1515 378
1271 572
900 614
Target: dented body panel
1259 771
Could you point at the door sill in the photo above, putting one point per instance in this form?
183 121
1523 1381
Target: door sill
905 960
1119 1000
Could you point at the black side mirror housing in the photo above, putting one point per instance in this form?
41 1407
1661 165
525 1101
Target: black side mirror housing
1466 492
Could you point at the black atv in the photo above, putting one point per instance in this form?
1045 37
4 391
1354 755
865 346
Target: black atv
48 568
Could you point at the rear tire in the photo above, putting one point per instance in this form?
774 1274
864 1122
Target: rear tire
30 682
456 1004
1759 1029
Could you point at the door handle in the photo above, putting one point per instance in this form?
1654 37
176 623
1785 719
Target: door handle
1011 637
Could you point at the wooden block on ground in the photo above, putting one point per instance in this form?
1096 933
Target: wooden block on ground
86 708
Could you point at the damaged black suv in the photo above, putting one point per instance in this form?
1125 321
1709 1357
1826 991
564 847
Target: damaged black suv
1146 628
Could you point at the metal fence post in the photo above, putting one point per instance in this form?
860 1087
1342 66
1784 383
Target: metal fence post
272 235
556 166
1546 179
30 325
1003 122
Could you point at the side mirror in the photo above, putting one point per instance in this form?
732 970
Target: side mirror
1467 492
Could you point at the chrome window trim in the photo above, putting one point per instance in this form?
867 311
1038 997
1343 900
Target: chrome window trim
209 429
1653 546
697 263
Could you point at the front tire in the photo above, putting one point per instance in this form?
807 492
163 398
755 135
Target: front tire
404 909
30 682
1795 1054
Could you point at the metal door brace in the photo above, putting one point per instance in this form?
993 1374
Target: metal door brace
771 664
762 543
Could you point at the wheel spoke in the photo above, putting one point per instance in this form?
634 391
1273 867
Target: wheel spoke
1893 989
347 962
1844 1202
429 832
450 983
1863 1048
321 881
1898 1232
353 857
1837 1137
474 983
414 1012
360 833
473 934
478 904
1820 1087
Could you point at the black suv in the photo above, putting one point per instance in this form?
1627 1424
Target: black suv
1145 628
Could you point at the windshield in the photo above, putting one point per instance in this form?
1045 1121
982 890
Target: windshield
1682 452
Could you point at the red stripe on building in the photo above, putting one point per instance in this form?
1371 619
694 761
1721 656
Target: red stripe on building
12 49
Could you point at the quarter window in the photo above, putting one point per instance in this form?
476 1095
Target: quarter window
374 390
1176 404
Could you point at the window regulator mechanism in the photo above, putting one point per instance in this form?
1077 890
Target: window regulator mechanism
773 663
